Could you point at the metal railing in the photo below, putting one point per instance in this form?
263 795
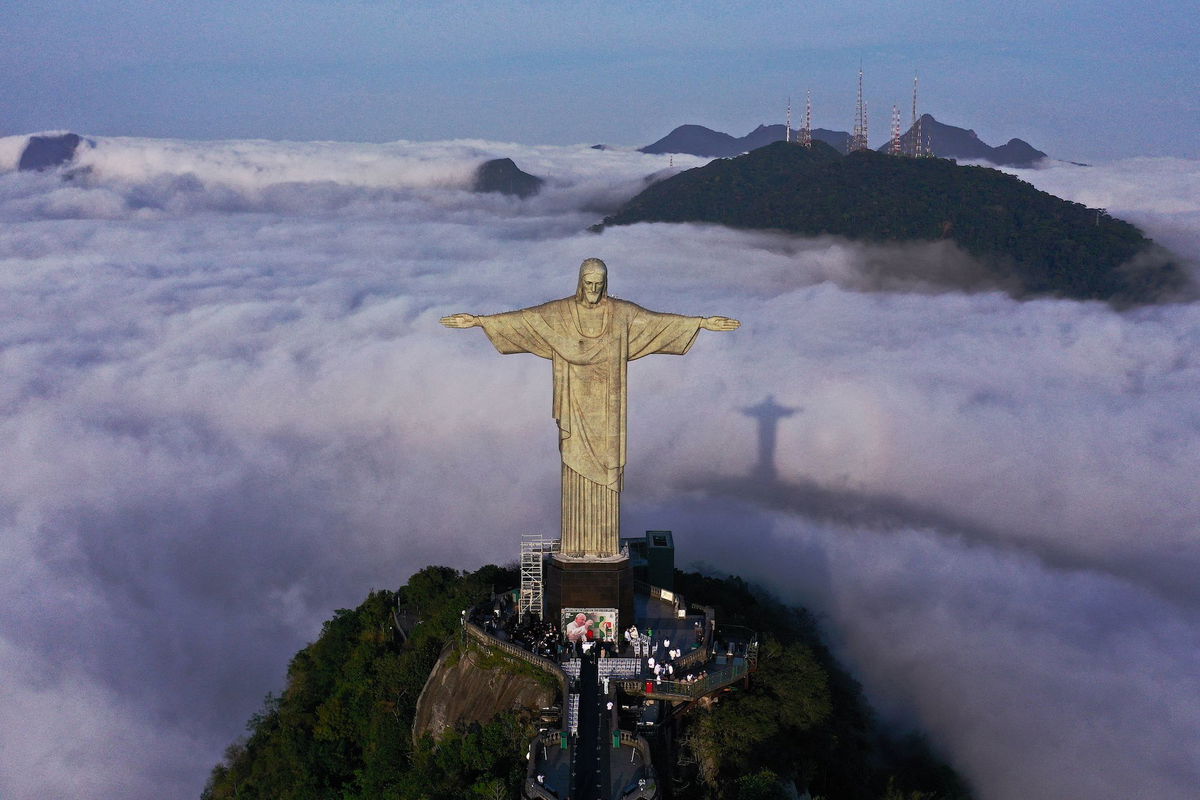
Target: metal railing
701 653
689 690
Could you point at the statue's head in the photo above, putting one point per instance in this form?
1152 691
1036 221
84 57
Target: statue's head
593 282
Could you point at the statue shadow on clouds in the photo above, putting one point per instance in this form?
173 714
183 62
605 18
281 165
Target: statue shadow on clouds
741 504
763 487
730 518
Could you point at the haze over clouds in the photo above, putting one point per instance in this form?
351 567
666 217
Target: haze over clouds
1074 78
227 408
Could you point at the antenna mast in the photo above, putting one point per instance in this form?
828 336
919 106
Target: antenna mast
806 134
917 144
787 128
895 147
858 139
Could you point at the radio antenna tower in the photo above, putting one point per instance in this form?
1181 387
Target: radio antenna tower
917 148
806 133
895 147
787 128
865 141
858 139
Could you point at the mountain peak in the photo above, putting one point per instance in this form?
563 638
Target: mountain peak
949 141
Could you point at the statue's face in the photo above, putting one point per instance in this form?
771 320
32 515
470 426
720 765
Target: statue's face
593 286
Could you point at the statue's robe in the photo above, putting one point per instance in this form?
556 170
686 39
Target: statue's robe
590 399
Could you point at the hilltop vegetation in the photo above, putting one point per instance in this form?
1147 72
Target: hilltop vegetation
803 720
1030 242
342 726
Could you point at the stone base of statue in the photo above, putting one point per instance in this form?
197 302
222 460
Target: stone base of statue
588 583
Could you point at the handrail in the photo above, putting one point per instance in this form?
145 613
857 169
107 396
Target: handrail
544 664
676 690
701 653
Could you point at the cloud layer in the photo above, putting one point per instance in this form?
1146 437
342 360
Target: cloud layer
226 409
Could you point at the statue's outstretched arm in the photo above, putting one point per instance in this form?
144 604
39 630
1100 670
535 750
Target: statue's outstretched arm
460 321
715 324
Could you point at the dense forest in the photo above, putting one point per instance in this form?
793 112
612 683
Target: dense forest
803 719
342 726
1031 242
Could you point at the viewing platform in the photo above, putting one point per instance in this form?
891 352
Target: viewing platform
620 684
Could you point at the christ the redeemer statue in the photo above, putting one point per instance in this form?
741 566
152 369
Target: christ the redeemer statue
591 337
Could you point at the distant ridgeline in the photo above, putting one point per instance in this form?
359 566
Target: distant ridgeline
1029 242
937 138
343 725
698 140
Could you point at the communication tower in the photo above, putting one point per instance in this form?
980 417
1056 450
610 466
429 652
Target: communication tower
806 132
894 149
787 128
858 139
917 143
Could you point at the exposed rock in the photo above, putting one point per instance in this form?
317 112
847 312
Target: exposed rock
503 176
47 152
469 685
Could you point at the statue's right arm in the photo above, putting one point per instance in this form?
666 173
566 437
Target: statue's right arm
460 321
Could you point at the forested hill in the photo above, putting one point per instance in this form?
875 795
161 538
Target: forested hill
1029 242
342 726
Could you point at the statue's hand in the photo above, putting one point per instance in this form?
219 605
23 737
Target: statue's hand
460 321
719 324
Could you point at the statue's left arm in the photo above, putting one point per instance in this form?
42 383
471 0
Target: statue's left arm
719 324
673 334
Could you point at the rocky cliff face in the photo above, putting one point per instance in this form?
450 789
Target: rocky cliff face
470 684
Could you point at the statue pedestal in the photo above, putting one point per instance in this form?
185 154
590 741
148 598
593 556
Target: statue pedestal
588 583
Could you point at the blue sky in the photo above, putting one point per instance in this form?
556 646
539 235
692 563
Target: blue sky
1079 80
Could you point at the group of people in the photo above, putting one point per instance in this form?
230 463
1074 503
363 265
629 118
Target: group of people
500 619
665 670
644 645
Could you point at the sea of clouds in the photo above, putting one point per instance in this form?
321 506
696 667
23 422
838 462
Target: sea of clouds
227 408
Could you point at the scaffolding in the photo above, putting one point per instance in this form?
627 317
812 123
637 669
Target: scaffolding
533 549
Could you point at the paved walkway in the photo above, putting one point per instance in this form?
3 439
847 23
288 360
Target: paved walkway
591 779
